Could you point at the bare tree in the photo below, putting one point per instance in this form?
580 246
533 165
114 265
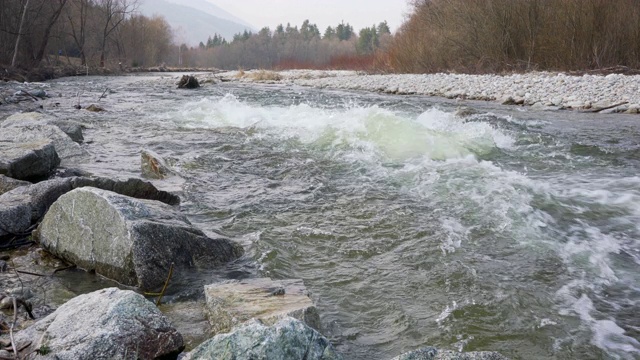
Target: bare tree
112 14
77 15
15 50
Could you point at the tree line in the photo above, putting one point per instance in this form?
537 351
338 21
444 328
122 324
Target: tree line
517 35
95 33
292 47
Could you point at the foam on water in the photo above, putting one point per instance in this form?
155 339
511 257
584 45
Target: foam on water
434 134
437 158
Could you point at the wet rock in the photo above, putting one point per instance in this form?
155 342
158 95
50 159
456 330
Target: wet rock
508 100
129 240
289 338
430 353
26 205
18 129
106 324
465 111
7 184
153 166
94 108
188 82
25 160
234 302
190 320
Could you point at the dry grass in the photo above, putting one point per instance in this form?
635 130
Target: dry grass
264 75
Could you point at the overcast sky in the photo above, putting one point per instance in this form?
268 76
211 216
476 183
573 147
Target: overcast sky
359 13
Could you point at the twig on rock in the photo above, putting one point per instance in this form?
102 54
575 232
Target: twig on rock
166 283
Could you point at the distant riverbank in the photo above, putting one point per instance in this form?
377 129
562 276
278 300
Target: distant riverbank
612 93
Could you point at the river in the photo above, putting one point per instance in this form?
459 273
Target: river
510 230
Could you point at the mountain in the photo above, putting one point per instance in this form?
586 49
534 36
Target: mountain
193 25
212 9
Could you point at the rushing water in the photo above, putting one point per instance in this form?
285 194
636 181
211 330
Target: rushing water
514 231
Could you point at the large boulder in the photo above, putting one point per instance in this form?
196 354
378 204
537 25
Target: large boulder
289 338
7 184
430 353
32 159
132 241
106 324
26 205
234 302
72 128
20 128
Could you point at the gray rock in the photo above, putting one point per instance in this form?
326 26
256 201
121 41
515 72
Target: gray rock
22 131
106 324
231 303
287 339
7 184
30 159
153 165
430 353
26 205
72 128
132 241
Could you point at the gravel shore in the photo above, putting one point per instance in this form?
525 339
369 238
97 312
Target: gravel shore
593 93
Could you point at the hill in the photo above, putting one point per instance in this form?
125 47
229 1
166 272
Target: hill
195 22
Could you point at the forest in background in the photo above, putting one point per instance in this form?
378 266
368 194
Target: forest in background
437 36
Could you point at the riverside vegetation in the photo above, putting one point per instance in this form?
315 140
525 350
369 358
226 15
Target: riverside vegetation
438 36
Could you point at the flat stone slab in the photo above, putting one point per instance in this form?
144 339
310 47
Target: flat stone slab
234 302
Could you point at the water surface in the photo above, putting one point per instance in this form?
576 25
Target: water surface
508 230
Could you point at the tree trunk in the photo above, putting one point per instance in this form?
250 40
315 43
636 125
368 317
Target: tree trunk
15 50
47 33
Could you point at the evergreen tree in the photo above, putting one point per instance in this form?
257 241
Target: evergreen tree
383 28
329 33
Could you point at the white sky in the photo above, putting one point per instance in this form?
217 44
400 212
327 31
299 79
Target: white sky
359 13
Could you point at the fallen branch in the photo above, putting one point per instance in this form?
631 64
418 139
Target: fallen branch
166 283
104 92
605 108
27 93
30 273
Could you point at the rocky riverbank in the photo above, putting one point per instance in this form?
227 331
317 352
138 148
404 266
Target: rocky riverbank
612 93
56 217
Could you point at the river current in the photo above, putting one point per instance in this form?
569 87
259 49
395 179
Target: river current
510 230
